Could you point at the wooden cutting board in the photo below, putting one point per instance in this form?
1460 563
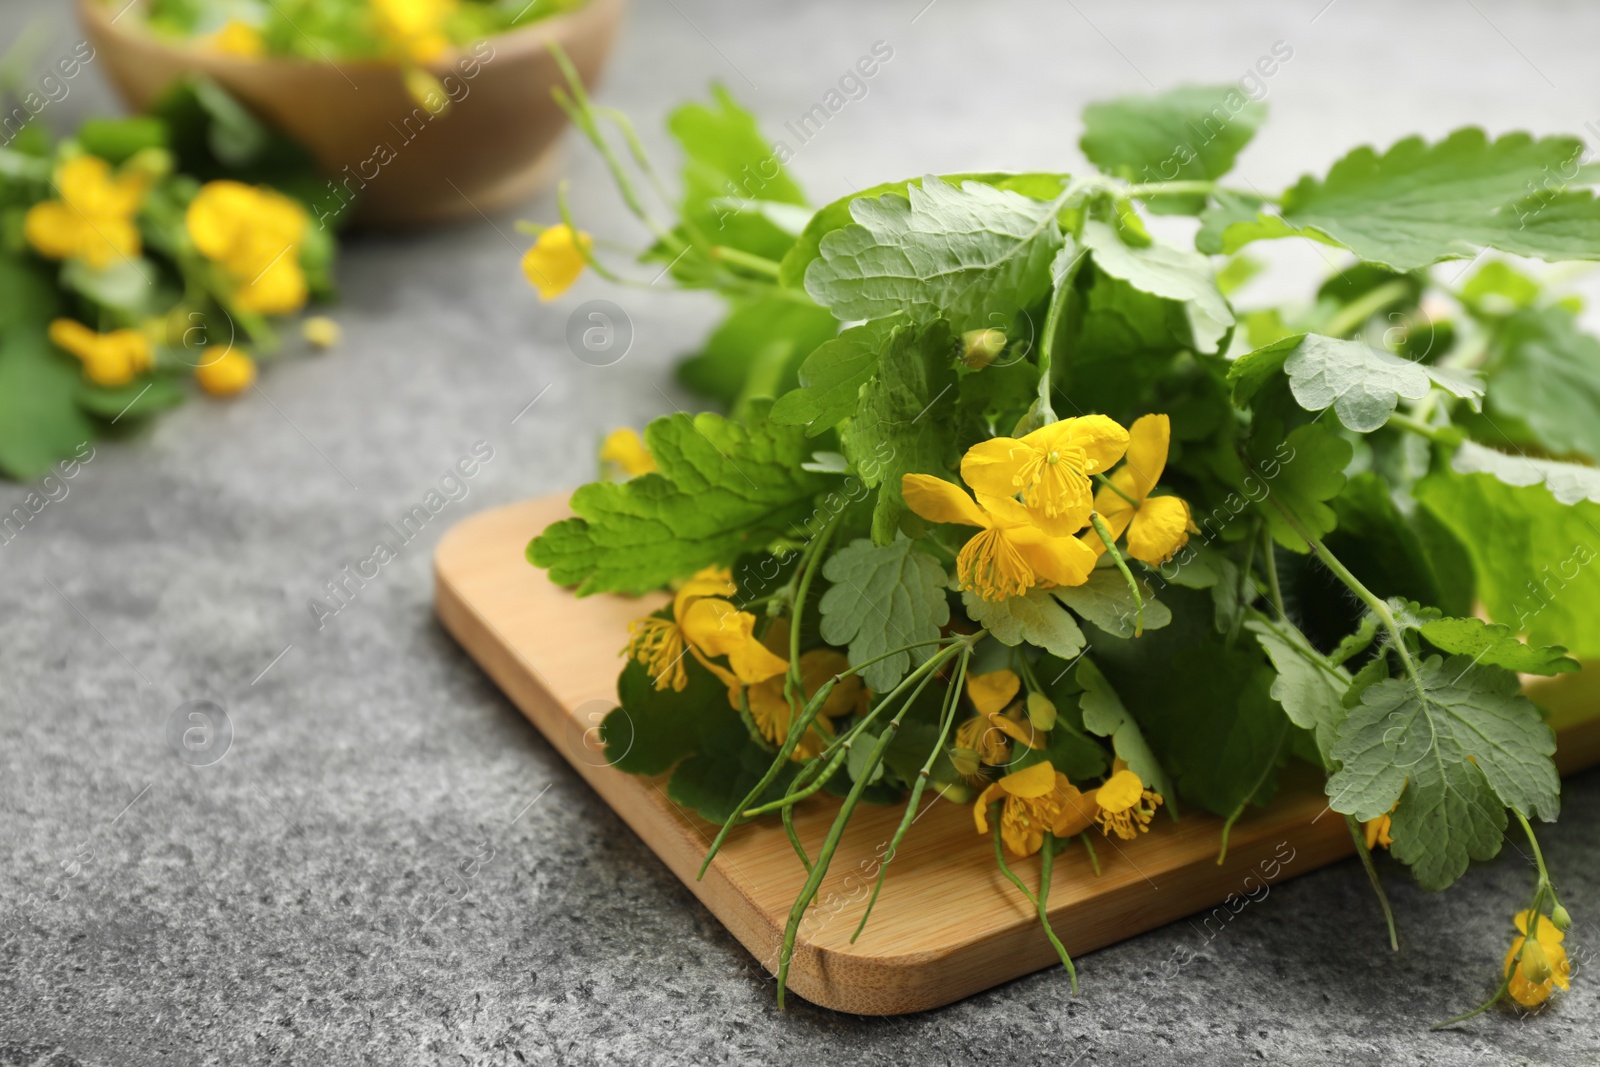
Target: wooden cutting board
947 924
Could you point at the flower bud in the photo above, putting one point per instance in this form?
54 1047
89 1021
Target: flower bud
1535 963
1561 918
980 347
1041 711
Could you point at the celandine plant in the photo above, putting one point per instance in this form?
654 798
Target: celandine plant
1012 504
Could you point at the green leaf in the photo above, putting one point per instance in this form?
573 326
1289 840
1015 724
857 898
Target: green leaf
726 155
137 400
1419 203
1494 645
1569 483
756 351
1105 716
899 424
1454 753
1106 601
651 729
40 420
724 769
1309 472
1169 272
1386 550
836 215
832 376
1237 219
722 487
883 597
116 140
1033 618
973 255
1193 132
1546 374
125 285
1499 288
1311 691
1533 557
1362 384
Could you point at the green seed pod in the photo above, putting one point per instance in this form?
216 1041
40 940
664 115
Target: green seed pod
1041 712
1562 918
1535 963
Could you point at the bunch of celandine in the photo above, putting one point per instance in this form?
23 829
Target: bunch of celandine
892 352
139 273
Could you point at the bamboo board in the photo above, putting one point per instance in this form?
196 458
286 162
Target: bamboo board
947 924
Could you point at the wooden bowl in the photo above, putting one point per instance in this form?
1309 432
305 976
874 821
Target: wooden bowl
493 146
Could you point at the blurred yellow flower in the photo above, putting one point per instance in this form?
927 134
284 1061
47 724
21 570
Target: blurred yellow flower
415 27
227 373
1157 526
625 450
237 38
93 220
254 233
321 331
555 260
1010 554
1544 966
1050 467
114 358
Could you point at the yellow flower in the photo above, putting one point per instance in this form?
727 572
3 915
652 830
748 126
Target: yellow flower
1051 467
1037 799
321 331
1125 805
415 27
254 233
228 373
1543 967
773 713
114 358
626 450
1157 525
1377 831
237 38
703 624
1011 554
991 692
555 260
93 220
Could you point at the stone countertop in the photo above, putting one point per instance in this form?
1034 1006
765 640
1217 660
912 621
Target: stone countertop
271 907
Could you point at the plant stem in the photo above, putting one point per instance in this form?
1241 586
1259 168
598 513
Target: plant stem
1109 484
830 844
759 264
1180 188
1047 862
1363 307
1372 876
795 686
1038 902
1110 542
1269 563
1088 846
1233 817
1538 856
1442 434
946 720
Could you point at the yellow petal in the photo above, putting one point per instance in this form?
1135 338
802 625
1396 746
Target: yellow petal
555 260
993 690
980 807
73 336
227 374
710 581
1065 561
276 290
995 467
1159 529
237 38
717 628
1034 781
626 449
1099 437
1148 440
53 229
1077 810
940 501
1021 732
1120 792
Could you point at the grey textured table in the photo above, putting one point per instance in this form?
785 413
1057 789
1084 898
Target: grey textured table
390 865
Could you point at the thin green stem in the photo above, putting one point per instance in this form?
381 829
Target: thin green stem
830 843
1111 485
582 246
1047 860
1261 780
1363 307
946 720
1538 856
1372 876
1269 563
1038 902
1441 434
759 264
814 552
1110 542
1088 846
1180 188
